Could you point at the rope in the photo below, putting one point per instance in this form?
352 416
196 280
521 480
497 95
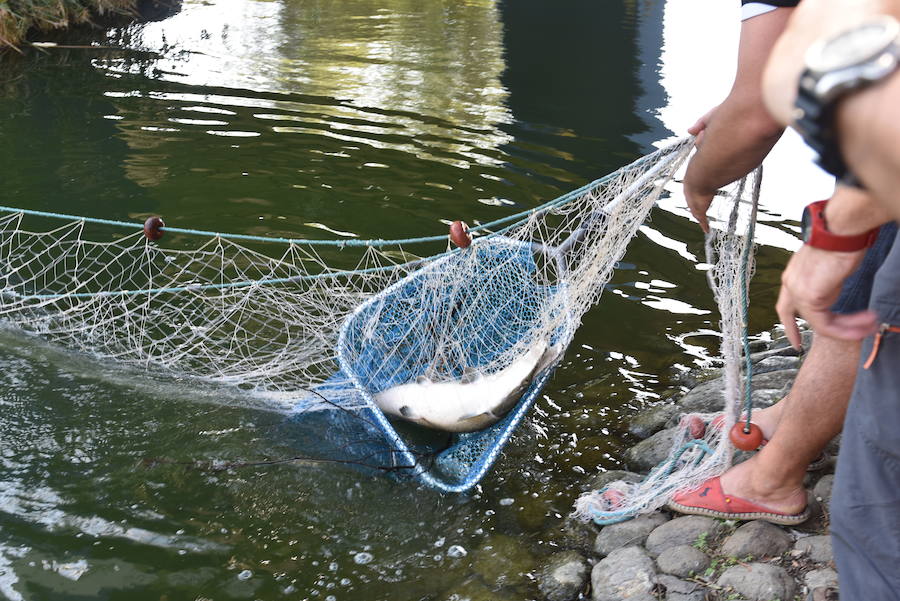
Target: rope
745 304
375 242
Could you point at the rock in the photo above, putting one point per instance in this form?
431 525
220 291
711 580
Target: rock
821 579
651 421
682 531
681 590
815 548
822 490
757 539
829 593
783 343
503 561
774 380
766 397
600 480
647 454
474 590
787 351
574 534
626 573
758 344
776 363
759 582
694 378
682 561
563 577
707 397
625 534
818 519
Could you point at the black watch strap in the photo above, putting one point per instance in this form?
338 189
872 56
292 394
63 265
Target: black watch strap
816 125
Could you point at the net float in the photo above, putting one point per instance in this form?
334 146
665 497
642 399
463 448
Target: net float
746 437
459 234
153 228
695 426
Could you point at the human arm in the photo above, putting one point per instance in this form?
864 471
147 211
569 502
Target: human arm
734 137
867 121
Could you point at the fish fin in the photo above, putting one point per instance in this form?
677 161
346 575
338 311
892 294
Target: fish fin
423 380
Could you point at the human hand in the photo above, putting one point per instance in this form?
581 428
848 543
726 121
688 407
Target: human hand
810 285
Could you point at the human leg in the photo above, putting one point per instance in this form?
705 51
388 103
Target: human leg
865 506
807 418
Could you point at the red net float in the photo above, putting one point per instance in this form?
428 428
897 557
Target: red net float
153 228
744 438
459 234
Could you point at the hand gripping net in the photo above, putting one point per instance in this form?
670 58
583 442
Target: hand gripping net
317 328
693 458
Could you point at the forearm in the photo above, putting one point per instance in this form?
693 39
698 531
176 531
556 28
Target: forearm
811 21
853 211
741 132
868 127
735 143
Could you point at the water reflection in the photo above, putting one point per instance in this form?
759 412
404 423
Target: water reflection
351 118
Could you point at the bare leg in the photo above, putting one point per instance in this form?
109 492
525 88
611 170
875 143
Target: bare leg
811 415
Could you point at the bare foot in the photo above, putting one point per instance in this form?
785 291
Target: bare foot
748 480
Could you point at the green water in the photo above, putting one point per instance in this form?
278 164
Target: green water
307 118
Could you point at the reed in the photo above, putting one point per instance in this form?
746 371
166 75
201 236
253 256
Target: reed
18 17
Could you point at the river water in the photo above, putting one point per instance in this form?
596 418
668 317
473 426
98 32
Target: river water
305 118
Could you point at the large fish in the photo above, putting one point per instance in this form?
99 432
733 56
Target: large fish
467 404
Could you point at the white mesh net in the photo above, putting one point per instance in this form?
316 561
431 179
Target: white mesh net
701 448
317 325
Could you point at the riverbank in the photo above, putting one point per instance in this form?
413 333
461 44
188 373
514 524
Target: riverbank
22 18
667 556
664 556
18 17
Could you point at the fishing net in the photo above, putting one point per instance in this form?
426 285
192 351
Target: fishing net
321 329
701 447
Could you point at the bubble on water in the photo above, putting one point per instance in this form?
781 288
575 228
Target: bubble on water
456 551
440 542
345 581
438 557
330 598
245 575
333 566
507 501
289 589
363 558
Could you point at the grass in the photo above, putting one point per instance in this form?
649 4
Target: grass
18 17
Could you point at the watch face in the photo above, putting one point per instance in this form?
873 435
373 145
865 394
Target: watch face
806 225
853 46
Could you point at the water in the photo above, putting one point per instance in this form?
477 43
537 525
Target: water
355 118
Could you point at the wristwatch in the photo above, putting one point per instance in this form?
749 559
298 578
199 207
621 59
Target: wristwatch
836 66
815 232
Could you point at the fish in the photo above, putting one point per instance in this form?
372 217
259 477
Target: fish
472 402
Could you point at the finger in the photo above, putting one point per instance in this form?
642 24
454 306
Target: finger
700 215
704 224
698 140
787 315
698 127
853 326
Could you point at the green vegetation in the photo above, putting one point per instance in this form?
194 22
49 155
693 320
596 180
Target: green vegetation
18 17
